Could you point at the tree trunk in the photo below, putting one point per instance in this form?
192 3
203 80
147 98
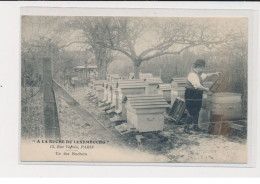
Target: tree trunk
102 72
137 71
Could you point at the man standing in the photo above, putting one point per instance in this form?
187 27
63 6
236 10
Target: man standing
194 93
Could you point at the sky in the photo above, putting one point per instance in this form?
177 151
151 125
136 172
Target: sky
35 27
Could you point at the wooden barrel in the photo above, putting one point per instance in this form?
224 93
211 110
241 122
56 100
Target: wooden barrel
228 106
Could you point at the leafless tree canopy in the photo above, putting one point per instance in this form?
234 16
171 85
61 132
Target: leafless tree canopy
136 39
142 39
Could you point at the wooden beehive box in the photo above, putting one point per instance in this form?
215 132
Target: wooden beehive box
105 98
177 88
145 75
146 113
98 83
131 87
129 82
177 92
114 77
165 91
152 84
114 97
131 76
154 98
110 85
178 82
100 92
91 88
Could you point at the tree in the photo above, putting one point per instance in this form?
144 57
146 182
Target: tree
142 39
48 37
104 56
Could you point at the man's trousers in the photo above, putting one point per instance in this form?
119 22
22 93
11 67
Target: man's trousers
193 102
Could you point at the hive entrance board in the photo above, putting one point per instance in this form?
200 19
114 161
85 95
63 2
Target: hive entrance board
177 110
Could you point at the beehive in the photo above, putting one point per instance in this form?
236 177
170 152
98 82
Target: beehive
95 84
177 92
145 75
114 96
114 77
129 81
110 85
91 88
131 76
105 97
97 89
152 84
165 91
178 82
146 113
154 98
98 83
100 92
177 88
129 87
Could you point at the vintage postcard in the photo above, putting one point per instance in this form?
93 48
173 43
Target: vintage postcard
134 89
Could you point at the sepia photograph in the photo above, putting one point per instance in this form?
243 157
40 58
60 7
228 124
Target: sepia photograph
134 89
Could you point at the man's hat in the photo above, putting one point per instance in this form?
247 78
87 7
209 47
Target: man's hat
199 63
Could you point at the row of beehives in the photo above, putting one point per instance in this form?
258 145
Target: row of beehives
140 102
143 102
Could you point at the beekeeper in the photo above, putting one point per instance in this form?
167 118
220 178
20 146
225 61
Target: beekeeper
193 94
